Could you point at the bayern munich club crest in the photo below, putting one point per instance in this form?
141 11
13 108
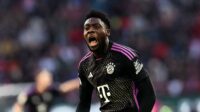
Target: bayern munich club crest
110 68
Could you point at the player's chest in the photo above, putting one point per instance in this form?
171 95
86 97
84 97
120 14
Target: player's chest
37 99
103 71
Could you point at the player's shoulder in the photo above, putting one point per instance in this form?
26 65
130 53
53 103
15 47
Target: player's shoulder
25 94
84 58
30 90
124 51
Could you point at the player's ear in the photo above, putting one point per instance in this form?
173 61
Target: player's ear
108 32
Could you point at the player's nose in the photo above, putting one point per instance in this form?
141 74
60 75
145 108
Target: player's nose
90 32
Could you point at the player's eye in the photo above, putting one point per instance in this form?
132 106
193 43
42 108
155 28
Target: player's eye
86 28
97 26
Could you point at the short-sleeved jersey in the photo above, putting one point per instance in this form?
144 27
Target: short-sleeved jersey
38 102
113 77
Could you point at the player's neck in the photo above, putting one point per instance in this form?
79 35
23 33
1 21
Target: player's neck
102 52
40 89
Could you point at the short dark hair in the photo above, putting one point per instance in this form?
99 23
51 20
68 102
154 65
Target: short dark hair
100 15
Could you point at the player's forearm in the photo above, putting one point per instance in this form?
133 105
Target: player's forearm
85 97
69 85
83 107
85 101
146 96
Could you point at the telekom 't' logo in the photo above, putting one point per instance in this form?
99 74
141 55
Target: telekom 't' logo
104 92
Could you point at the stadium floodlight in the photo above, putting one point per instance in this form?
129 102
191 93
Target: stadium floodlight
184 106
198 105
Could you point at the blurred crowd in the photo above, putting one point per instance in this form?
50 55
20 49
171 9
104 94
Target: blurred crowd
48 34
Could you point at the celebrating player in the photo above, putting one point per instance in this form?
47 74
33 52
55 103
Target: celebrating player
41 96
113 70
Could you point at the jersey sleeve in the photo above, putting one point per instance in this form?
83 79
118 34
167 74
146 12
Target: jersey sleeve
144 91
137 70
86 90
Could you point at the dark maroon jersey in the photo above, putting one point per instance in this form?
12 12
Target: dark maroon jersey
113 77
38 102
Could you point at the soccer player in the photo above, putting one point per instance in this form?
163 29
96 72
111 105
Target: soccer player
41 96
113 70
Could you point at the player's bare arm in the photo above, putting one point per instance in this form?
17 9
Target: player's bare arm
69 85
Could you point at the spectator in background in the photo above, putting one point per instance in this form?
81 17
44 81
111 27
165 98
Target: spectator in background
41 96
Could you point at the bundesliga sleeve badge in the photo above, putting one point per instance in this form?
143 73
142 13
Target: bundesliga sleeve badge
138 66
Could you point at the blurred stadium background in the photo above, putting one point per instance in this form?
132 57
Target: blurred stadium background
48 34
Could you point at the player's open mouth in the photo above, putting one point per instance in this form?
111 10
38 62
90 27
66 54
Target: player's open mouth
92 41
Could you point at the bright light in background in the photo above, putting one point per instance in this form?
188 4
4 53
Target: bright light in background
166 108
175 87
69 108
62 108
198 105
184 106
